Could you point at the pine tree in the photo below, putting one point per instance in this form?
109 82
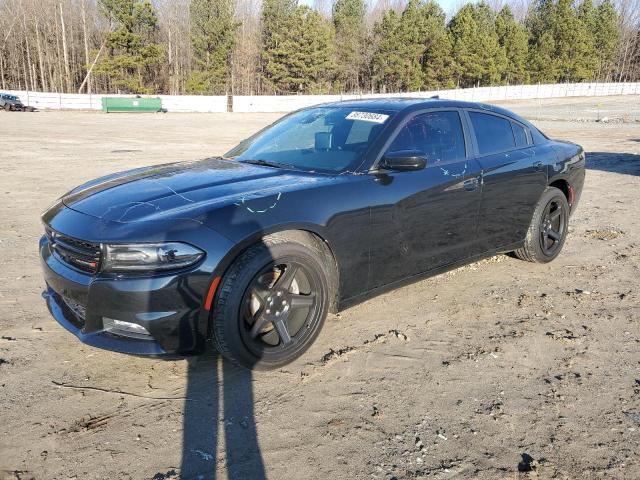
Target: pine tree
478 57
312 63
297 53
514 40
542 45
543 67
562 47
276 23
587 14
413 49
438 63
132 57
607 38
388 59
422 26
213 32
350 38
574 49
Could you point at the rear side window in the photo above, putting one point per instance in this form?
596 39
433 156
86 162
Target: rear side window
493 133
438 135
520 135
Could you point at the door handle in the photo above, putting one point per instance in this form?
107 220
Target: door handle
537 165
471 184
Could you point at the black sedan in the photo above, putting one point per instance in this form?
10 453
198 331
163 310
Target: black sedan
326 207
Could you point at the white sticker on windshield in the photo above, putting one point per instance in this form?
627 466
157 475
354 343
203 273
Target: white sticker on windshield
368 117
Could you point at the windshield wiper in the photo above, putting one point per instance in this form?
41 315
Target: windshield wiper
266 163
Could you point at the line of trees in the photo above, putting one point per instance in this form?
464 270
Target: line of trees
283 46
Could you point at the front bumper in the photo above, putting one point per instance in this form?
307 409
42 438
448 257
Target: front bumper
100 339
169 306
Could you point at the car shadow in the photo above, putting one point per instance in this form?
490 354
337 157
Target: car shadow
625 163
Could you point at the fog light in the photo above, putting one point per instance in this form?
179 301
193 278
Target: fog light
113 324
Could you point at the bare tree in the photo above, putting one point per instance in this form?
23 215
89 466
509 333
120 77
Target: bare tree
174 22
629 50
246 56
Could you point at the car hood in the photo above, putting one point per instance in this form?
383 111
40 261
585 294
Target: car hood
186 190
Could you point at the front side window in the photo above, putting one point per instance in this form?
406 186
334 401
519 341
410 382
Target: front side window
324 139
438 135
493 133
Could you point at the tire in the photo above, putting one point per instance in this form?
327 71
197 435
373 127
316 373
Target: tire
7 107
252 317
548 230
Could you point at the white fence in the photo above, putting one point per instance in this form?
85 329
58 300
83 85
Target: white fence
287 103
73 101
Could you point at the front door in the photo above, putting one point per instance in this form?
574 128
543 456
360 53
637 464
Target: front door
426 219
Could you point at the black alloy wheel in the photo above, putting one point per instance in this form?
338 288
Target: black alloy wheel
272 302
280 308
552 227
548 229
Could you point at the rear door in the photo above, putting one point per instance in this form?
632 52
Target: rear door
426 218
513 177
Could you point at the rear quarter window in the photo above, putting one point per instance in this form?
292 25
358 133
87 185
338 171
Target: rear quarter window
520 135
493 133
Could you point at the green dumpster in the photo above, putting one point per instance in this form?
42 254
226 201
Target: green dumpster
131 104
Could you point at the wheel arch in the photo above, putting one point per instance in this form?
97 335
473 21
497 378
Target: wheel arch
565 187
310 235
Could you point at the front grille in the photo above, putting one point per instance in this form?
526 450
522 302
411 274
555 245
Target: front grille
82 255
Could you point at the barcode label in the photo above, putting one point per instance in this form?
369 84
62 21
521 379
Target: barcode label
368 117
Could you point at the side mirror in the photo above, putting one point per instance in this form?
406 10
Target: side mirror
404 161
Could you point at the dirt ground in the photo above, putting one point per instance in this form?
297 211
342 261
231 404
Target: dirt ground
533 371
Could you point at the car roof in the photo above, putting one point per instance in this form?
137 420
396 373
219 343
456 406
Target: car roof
412 103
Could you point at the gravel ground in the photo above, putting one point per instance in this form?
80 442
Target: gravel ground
532 372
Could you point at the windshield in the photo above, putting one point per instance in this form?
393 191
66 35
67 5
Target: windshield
324 139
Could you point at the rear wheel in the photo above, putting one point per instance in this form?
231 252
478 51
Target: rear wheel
548 230
271 304
7 107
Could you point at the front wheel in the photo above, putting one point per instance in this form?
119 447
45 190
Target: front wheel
548 230
271 303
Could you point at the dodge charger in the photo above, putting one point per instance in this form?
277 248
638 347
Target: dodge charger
328 206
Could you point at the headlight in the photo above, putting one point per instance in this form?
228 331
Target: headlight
149 257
